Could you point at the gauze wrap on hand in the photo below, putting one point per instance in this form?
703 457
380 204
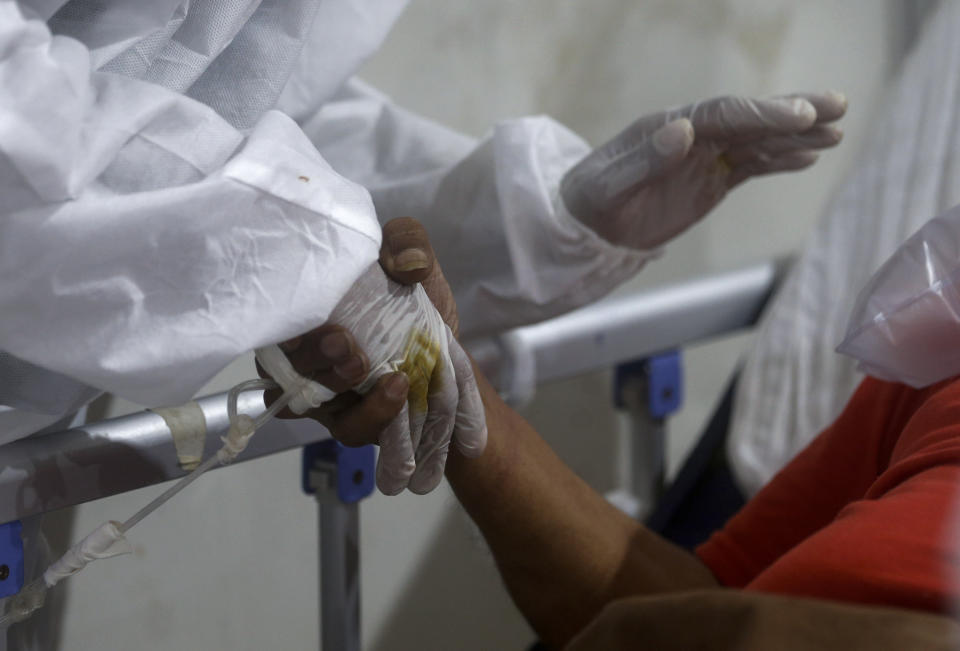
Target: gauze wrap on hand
399 330
905 326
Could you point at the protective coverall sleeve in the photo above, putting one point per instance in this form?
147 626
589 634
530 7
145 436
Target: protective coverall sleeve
145 242
511 252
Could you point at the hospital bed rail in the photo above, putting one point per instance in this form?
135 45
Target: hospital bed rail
52 471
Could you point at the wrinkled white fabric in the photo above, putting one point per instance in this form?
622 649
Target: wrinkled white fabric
29 387
343 36
144 240
794 384
18 423
906 323
140 155
509 249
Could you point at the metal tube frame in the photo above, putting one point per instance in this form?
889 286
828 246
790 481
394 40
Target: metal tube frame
340 576
53 471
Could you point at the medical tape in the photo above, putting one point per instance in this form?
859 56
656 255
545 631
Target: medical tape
236 439
188 426
311 395
106 541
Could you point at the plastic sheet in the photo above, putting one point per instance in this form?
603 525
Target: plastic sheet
905 326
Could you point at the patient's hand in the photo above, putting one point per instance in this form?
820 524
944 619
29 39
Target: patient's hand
331 356
407 257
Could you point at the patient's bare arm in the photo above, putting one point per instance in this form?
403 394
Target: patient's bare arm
563 551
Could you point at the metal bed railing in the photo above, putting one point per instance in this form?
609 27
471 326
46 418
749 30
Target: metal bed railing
62 469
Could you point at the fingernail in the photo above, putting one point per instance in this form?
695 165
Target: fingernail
411 260
803 108
837 96
335 345
397 386
673 137
350 368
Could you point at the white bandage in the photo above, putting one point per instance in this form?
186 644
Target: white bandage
105 541
236 439
311 395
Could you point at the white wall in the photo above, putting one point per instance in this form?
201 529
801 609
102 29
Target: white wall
232 564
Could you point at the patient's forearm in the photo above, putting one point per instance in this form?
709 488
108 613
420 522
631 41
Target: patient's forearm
563 551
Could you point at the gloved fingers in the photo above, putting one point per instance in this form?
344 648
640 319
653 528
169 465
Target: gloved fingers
470 427
758 167
429 472
820 136
600 180
362 422
830 106
743 118
437 428
405 254
469 432
416 417
396 462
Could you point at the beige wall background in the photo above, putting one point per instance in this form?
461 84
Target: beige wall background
232 565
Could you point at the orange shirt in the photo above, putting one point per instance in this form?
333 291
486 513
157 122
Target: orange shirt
869 512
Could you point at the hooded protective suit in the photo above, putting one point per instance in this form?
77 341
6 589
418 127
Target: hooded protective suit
185 181
164 214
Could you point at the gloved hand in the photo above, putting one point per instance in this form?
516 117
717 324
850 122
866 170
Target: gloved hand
401 331
665 171
408 349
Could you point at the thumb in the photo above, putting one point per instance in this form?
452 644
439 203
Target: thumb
405 254
671 142
407 257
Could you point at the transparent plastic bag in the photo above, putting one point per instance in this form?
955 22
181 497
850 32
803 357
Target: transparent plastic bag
905 326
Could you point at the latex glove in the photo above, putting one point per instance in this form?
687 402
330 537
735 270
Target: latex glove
399 330
665 171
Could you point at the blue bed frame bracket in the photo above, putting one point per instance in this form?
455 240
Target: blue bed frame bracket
663 377
339 477
330 467
11 559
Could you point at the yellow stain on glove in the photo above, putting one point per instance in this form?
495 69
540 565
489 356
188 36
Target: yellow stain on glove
420 357
723 165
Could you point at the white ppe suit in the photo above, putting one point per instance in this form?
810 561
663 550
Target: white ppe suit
162 213
183 181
